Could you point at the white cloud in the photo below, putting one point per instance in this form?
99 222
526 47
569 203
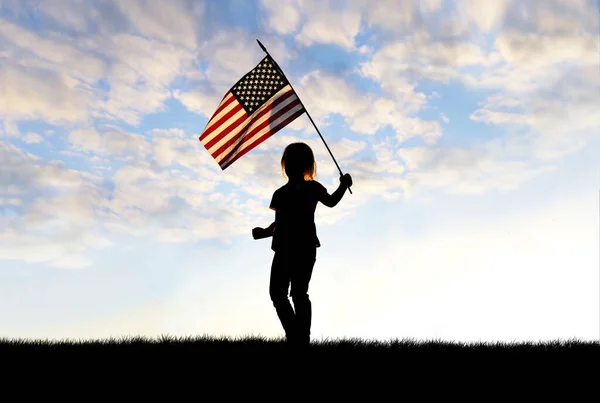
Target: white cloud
421 56
391 15
325 95
346 148
140 75
174 132
229 55
198 101
284 16
72 13
58 56
55 220
430 6
414 156
336 27
57 72
112 141
173 22
486 15
32 138
538 50
36 94
9 129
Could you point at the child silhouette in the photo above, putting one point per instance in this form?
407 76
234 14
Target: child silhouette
295 240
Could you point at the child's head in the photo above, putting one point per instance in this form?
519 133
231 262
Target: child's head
298 161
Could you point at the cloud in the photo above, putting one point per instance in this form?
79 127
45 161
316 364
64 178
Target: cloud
54 219
36 94
485 15
229 55
431 6
140 75
9 129
172 22
112 141
53 54
390 15
336 27
365 114
99 72
418 57
284 16
414 156
32 138
73 14
202 102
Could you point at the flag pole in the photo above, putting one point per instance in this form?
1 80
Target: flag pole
308 114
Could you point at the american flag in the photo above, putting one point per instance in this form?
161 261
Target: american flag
260 104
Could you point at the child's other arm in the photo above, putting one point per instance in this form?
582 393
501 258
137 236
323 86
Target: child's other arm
260 233
331 200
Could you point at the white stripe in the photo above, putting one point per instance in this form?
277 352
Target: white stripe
247 131
225 124
257 136
266 116
223 112
212 135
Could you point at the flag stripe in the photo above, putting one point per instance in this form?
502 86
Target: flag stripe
249 147
240 116
245 130
227 99
235 126
226 150
228 112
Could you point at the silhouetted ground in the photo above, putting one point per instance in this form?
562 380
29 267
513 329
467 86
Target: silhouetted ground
258 366
258 344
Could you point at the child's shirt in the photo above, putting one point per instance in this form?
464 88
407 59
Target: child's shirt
295 206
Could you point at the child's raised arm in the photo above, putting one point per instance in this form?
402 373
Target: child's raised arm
331 200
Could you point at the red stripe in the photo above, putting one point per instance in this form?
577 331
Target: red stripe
244 134
254 131
219 109
264 137
254 118
222 120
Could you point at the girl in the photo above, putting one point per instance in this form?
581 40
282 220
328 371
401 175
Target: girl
295 240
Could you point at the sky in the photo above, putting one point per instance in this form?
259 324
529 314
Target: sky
470 129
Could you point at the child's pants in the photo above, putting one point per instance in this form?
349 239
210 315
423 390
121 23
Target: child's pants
295 268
